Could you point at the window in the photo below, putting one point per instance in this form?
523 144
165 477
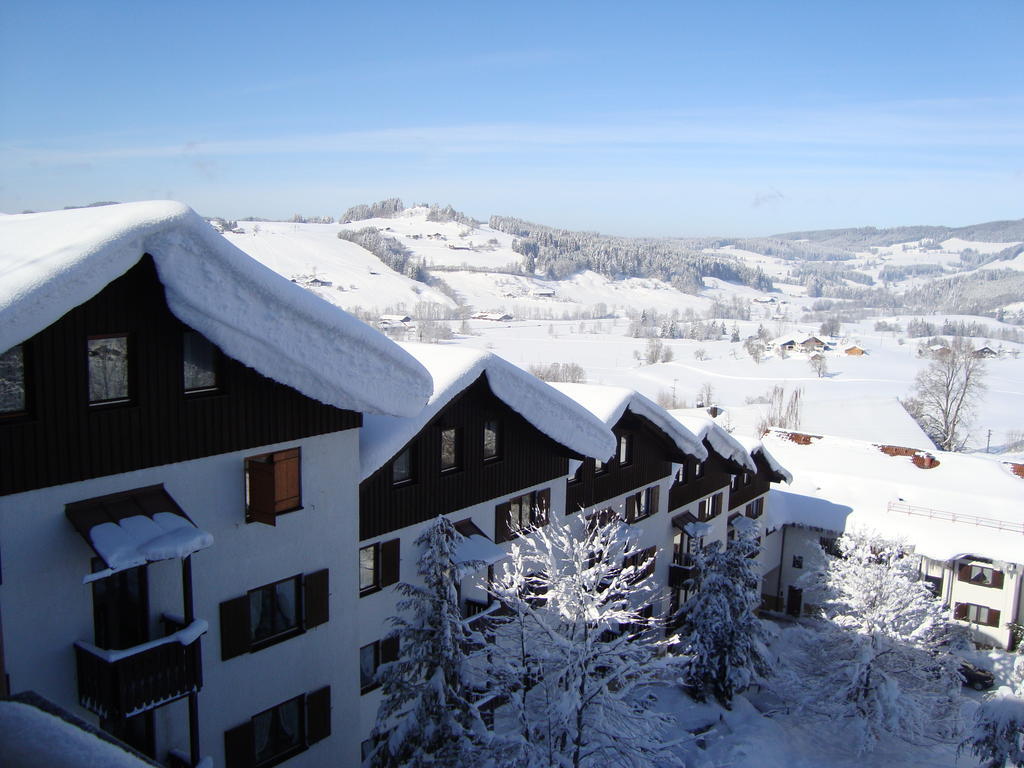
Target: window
681 474
709 508
698 469
625 454
12 380
575 476
492 439
976 614
829 546
274 609
278 733
980 575
371 657
449 449
599 467
273 486
199 363
716 505
641 505
798 561
643 562
401 468
530 509
755 508
273 613
378 566
108 369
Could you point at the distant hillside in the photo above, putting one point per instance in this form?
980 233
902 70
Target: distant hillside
870 237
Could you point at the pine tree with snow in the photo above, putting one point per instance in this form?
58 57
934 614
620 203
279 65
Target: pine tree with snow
720 634
575 657
997 737
427 716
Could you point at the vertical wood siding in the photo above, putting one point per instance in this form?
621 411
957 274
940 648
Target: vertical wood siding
717 475
63 439
527 457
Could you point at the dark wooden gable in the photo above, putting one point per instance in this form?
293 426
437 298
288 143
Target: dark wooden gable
527 457
760 482
652 455
717 475
63 439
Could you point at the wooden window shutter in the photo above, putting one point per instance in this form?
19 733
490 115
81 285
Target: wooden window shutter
287 480
960 611
234 628
993 617
997 579
501 530
318 715
262 498
316 598
238 747
389 649
655 496
631 506
390 559
963 573
543 506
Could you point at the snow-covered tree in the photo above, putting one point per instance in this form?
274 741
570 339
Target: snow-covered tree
877 667
997 736
575 656
427 715
720 634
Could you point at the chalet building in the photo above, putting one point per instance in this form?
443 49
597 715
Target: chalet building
855 351
178 487
960 513
490 451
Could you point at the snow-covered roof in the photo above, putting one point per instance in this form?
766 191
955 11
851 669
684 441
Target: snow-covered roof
721 442
453 369
755 448
609 403
964 505
52 262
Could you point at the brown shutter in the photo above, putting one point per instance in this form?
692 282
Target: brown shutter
543 505
960 611
501 529
963 573
997 579
651 556
318 715
238 747
260 474
316 598
390 559
389 649
234 627
287 480
655 497
993 617
631 504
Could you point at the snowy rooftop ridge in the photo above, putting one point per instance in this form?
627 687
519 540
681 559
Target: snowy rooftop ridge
608 403
54 261
755 447
724 444
453 369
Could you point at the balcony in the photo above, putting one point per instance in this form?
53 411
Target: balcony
679 574
116 684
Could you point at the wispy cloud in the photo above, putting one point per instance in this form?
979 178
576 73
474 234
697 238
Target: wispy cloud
764 198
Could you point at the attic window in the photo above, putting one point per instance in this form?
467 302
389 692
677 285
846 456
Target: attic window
698 469
625 455
199 363
492 438
108 369
449 449
401 468
12 381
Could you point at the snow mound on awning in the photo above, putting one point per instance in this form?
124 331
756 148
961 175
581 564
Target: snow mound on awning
609 403
52 262
453 369
721 442
137 540
755 447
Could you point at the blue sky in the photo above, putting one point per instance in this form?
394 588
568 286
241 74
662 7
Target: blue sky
729 118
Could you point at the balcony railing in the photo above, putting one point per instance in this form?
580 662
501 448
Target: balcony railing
116 684
957 517
678 574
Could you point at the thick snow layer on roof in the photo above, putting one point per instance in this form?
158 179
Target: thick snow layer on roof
453 369
964 505
30 737
755 447
138 539
609 403
721 442
477 548
52 262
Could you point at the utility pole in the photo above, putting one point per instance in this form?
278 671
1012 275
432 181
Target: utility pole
988 442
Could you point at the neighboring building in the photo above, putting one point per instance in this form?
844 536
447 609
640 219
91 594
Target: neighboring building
855 351
179 485
490 451
961 513
985 352
812 344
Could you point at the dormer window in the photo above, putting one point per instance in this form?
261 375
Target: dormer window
625 454
199 363
108 369
12 381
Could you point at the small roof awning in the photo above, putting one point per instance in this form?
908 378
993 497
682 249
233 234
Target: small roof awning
475 547
681 521
136 527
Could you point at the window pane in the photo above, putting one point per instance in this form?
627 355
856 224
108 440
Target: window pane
449 449
367 665
199 363
368 567
273 609
623 449
108 369
401 467
12 380
277 730
598 466
490 439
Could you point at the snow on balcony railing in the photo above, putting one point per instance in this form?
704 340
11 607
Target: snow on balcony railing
956 517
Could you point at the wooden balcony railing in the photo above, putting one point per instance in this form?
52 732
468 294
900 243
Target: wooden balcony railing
122 683
678 575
